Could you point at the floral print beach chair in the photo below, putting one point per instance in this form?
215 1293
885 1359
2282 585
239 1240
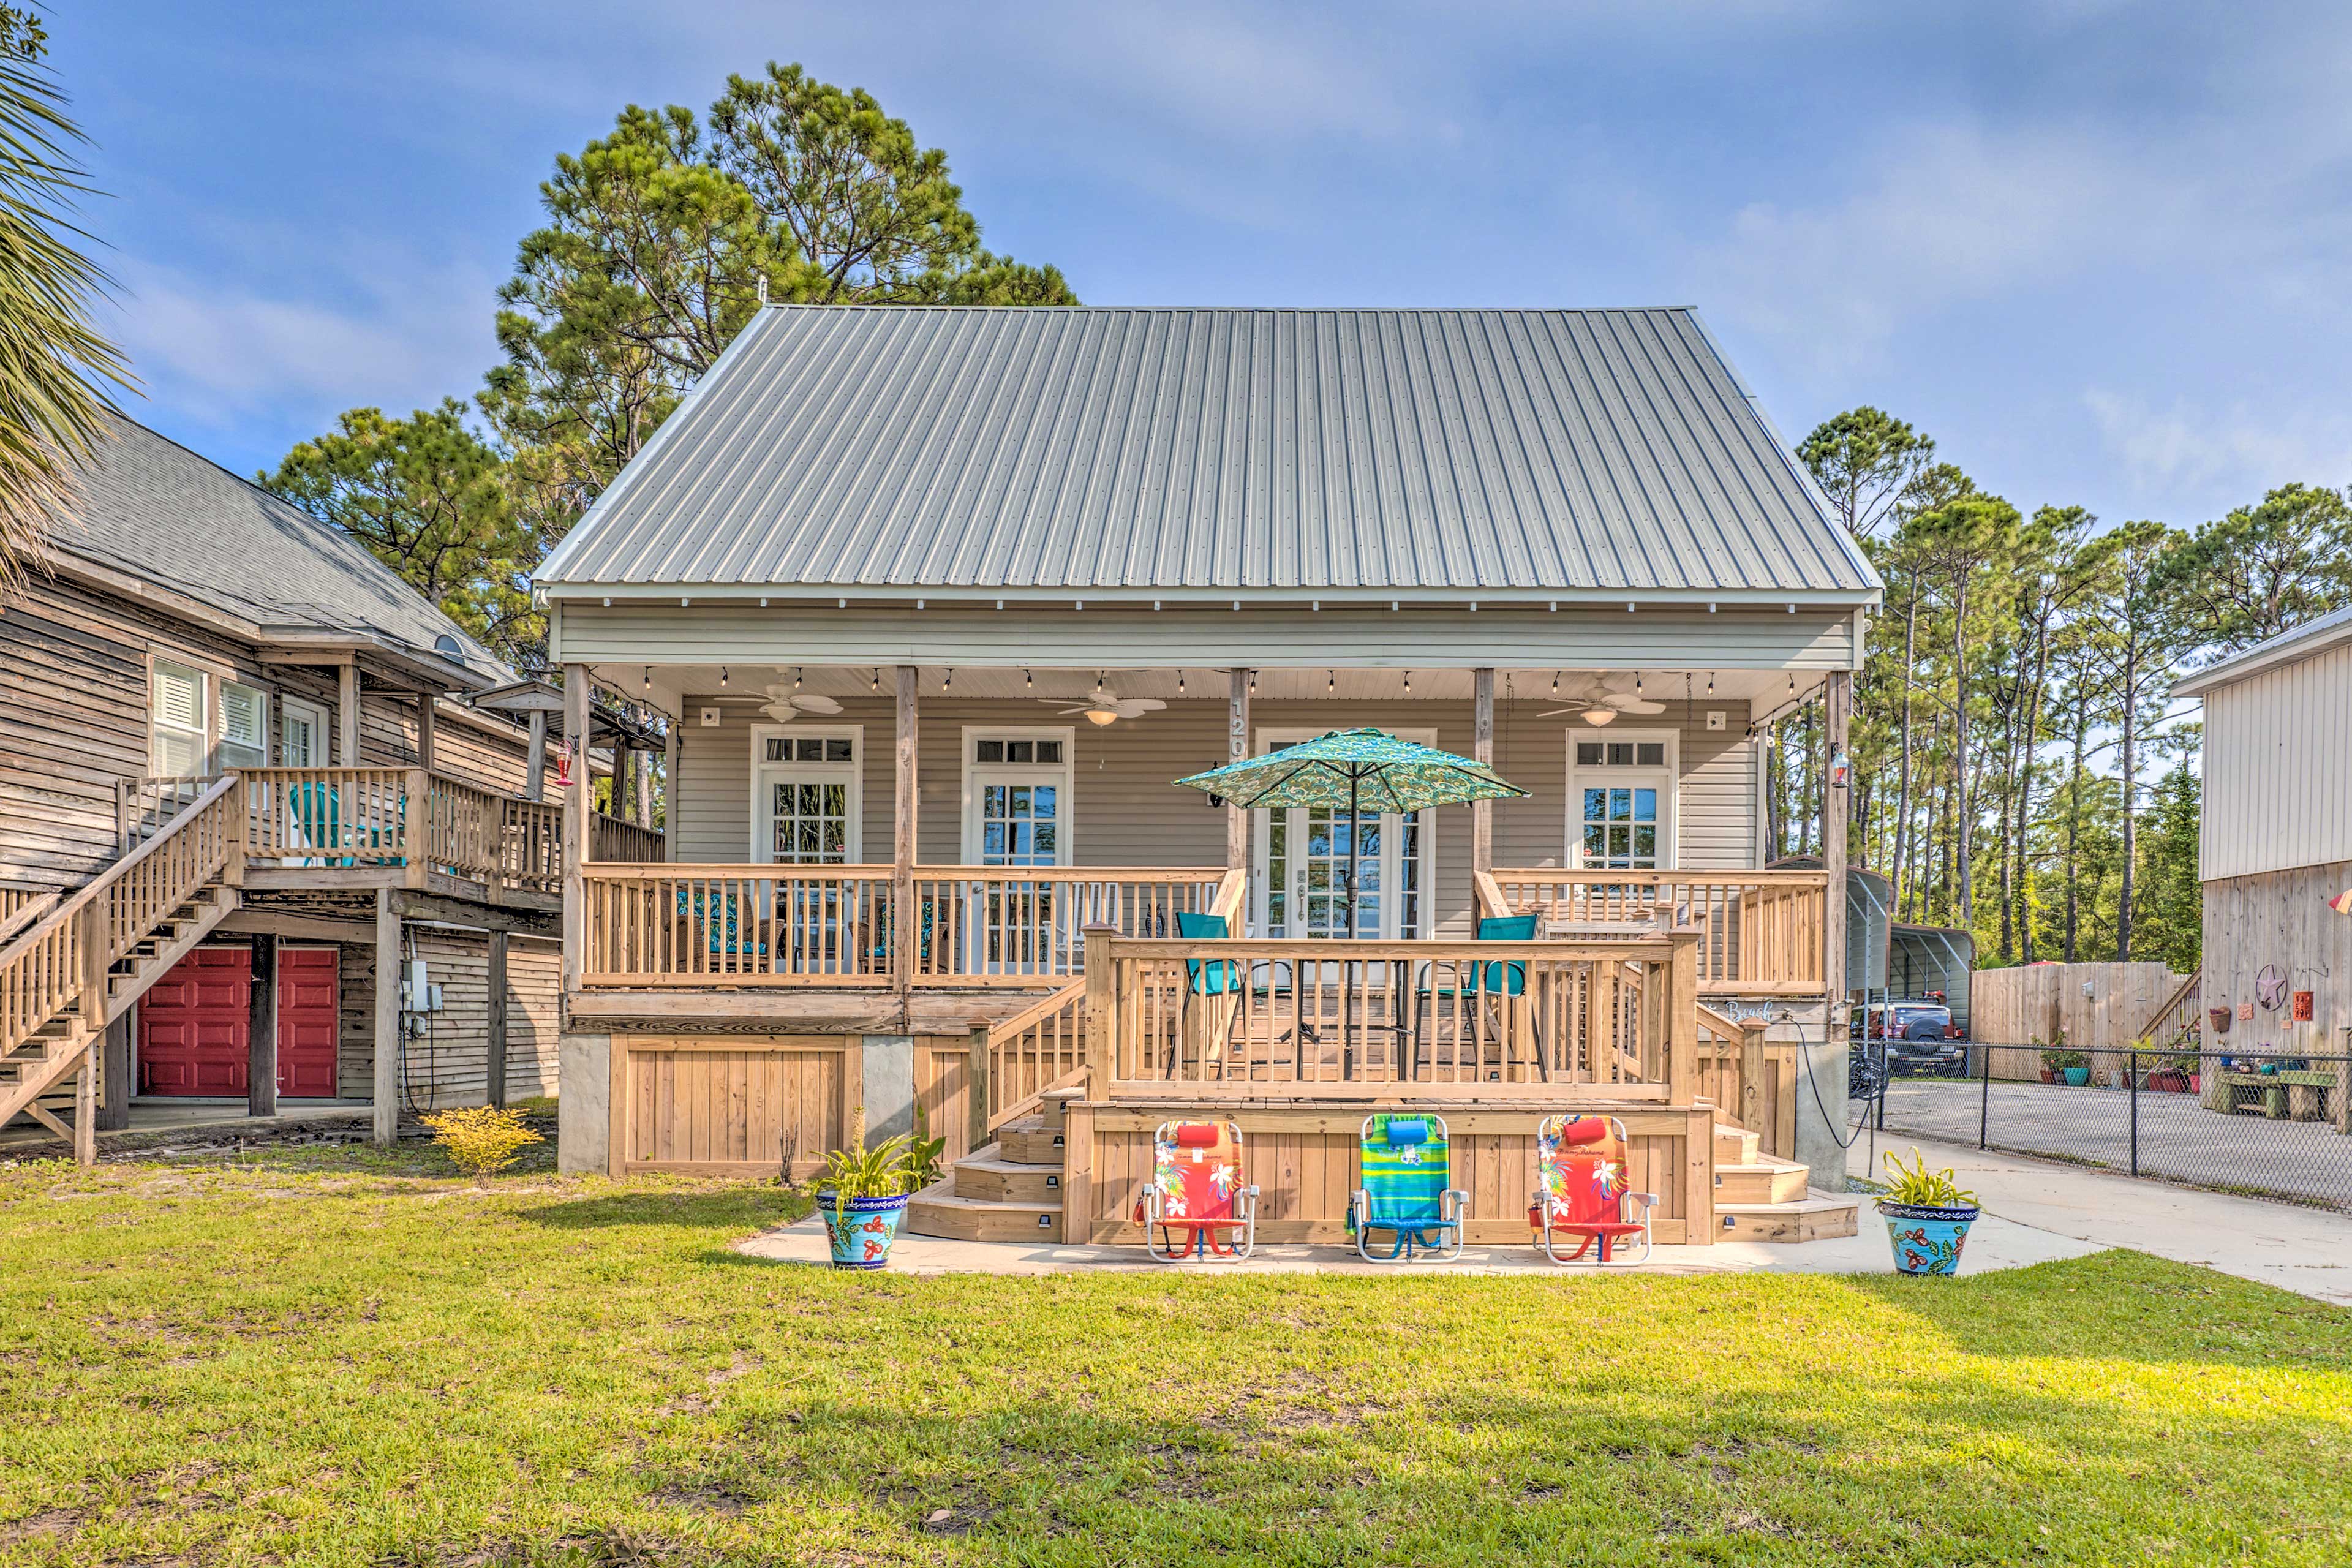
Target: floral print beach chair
1196 1204
1581 1189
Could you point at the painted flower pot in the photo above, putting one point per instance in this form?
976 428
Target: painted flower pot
2168 1082
2049 1077
1926 1238
861 1229
2078 1077
2196 1083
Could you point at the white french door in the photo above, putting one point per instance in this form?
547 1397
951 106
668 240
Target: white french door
1300 856
806 811
1016 813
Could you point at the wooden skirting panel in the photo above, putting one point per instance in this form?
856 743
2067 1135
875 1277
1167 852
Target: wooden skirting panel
744 1106
1303 1159
1719 1081
943 1091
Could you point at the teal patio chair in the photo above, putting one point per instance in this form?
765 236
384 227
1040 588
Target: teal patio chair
1210 978
1488 984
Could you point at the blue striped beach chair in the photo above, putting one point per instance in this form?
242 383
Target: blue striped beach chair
1407 1175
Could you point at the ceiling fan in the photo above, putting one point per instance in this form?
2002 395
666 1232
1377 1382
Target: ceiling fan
1612 696
1104 706
784 704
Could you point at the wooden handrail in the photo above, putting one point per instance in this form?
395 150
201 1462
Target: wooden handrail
2190 990
20 907
1026 1057
1762 932
1492 905
1045 1007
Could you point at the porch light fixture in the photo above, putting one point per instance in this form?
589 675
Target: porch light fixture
1598 716
1102 715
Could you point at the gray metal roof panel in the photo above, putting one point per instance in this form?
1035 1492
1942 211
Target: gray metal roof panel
1094 449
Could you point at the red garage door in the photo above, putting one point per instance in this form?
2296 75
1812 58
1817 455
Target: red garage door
193 1036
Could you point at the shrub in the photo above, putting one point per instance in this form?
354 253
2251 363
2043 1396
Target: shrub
1915 1184
481 1139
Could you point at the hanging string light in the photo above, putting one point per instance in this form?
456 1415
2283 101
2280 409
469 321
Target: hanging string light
1555 683
649 678
878 678
1180 683
722 677
1407 683
949 680
1331 682
1252 683
1028 680
1710 683
796 677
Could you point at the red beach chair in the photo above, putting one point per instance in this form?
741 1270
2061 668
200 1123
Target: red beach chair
1580 1173
1196 1204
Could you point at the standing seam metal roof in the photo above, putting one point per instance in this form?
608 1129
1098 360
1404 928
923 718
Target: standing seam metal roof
1132 448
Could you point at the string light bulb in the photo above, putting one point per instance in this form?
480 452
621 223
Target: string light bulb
1331 682
1555 683
1710 683
878 678
1407 683
1180 683
796 677
722 677
1028 680
1252 683
948 679
649 678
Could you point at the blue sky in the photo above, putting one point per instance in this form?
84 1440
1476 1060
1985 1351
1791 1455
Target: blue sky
2097 247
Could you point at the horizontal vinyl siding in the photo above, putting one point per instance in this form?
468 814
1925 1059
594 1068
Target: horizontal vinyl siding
1268 636
2278 753
1124 810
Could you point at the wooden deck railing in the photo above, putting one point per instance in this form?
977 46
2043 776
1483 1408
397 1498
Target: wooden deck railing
344 818
737 925
1041 1048
1366 1019
66 954
20 907
2178 1019
990 925
617 839
1760 932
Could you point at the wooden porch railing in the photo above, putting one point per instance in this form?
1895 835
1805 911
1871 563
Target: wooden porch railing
2177 1019
65 956
618 838
1364 1019
340 818
1041 1048
20 907
737 925
994 925
1760 932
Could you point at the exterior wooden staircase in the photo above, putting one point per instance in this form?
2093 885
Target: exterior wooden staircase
1009 1190
1761 1197
81 965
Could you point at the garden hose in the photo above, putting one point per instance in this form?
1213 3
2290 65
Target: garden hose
1789 1016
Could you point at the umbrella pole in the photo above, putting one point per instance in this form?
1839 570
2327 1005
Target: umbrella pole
1346 987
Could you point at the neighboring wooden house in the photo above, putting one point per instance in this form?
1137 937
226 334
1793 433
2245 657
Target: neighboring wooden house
940 601
2274 848
233 745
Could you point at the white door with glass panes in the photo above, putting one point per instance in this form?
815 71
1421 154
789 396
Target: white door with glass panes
1301 858
1016 786
301 734
805 785
1620 801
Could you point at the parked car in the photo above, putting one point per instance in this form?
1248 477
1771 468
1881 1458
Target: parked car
1919 1035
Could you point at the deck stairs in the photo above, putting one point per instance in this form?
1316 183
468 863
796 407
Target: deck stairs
1011 1191
1761 1197
66 975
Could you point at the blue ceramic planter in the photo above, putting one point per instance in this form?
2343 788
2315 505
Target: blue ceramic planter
861 1230
2078 1077
1926 1238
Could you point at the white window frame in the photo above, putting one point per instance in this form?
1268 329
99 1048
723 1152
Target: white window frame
207 688
852 773
1669 775
1063 776
265 725
1268 738
321 739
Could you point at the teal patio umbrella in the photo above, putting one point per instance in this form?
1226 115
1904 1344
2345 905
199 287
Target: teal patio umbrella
1361 770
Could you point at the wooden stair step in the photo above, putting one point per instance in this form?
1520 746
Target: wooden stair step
989 1179
1763 1180
1806 1219
938 1211
1029 1144
1733 1146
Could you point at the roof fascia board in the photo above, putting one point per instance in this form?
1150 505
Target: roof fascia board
2256 660
1284 599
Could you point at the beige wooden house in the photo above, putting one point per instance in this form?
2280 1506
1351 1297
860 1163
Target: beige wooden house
941 602
262 845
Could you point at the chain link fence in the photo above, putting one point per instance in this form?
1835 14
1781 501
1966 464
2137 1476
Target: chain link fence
2273 1126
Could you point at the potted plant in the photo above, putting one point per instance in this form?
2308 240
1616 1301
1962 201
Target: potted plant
1928 1215
862 1193
2049 1064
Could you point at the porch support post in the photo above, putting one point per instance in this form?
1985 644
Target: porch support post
672 740
387 1019
1817 1136
624 775
496 1022
642 796
1482 750
902 835
575 822
85 1122
534 759
347 716
261 1030
114 1110
1237 741
424 730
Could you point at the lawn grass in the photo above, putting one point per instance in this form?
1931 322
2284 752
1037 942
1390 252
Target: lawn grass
321 1356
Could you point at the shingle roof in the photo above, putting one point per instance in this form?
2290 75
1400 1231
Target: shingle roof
876 449
151 508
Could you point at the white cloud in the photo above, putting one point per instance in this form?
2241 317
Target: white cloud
2238 450
218 352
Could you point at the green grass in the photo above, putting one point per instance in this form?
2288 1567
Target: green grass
335 1356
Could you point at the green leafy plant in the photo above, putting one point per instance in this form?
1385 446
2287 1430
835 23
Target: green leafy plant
925 1152
1915 1184
886 1171
481 1139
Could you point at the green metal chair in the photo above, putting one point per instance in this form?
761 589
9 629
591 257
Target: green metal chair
1210 978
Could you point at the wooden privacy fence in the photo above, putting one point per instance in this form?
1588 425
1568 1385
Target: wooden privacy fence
992 925
1358 1019
400 817
1759 932
737 925
66 956
2009 1009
